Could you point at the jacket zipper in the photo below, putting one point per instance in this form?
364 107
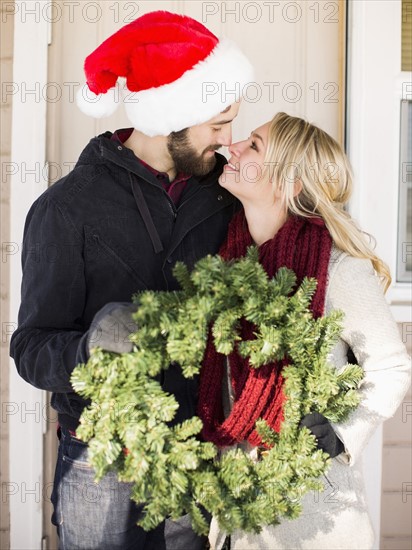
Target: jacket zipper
172 207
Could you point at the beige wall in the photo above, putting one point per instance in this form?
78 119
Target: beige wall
396 519
6 60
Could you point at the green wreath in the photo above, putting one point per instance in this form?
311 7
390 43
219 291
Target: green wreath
173 472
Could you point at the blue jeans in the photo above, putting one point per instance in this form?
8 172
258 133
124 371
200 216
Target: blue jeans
101 516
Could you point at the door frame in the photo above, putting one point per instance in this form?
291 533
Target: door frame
27 417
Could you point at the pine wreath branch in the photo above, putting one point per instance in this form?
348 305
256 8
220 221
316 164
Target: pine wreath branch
172 470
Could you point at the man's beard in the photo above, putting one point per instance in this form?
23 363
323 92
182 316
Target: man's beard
185 158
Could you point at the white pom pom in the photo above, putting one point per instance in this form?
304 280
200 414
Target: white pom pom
98 106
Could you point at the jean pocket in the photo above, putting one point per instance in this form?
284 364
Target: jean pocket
75 453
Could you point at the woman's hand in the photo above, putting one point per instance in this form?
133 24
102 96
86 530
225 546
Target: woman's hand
327 439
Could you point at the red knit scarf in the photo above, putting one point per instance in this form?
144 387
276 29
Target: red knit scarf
303 245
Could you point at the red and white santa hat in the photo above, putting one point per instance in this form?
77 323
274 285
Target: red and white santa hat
168 70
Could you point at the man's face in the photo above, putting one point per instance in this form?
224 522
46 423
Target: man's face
193 149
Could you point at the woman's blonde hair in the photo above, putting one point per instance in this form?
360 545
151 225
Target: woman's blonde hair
315 178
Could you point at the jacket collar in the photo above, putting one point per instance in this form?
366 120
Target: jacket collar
102 149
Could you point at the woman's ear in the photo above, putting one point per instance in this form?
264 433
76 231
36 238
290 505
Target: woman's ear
297 187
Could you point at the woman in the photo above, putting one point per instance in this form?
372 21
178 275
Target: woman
293 181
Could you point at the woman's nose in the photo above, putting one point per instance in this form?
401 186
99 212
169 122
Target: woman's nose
236 148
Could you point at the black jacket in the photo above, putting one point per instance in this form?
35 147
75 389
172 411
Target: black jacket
103 232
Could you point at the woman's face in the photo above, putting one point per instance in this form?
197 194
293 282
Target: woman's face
243 175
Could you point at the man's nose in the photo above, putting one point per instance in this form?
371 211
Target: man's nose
225 137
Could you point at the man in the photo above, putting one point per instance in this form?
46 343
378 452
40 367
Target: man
136 202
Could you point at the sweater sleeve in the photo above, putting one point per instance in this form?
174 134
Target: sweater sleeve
370 330
44 346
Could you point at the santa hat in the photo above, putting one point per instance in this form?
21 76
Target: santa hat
168 70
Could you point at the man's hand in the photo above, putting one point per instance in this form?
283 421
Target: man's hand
110 330
327 440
